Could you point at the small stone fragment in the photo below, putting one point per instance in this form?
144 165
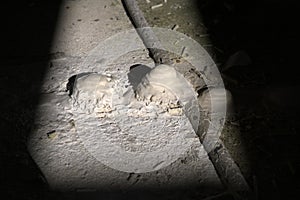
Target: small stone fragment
156 6
51 134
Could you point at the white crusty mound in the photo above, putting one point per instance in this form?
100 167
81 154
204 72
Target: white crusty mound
166 87
163 86
93 92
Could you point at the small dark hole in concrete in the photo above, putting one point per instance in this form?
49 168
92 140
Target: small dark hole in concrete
71 82
201 90
137 72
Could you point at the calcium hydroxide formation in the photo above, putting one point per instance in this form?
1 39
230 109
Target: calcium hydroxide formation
136 131
93 92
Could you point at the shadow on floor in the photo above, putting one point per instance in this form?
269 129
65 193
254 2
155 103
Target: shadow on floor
26 36
264 90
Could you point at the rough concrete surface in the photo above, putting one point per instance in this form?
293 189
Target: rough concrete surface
261 135
57 144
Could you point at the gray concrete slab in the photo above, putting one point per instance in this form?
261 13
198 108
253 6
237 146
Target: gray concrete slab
57 144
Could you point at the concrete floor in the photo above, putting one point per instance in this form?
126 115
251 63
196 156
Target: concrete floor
62 156
266 121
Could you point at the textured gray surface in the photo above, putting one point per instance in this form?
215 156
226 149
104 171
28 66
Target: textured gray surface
55 144
67 164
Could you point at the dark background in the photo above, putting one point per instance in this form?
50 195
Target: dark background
26 35
266 90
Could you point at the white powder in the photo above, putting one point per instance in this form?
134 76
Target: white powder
169 89
93 92
158 86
